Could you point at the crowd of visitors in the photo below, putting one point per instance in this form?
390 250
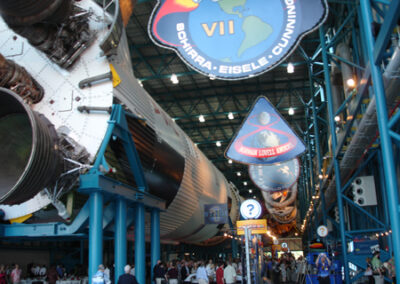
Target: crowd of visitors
175 272
285 269
10 274
13 274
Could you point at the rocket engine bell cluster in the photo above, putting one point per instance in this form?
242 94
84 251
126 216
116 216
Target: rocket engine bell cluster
59 57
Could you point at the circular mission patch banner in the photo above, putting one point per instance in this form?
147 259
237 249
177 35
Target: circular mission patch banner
234 39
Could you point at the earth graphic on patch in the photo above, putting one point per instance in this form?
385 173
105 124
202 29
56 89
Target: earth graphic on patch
237 33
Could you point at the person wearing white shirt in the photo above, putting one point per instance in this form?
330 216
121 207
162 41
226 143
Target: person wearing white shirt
43 271
229 274
107 272
201 274
210 268
36 271
132 272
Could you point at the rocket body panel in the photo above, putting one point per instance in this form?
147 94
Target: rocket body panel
200 184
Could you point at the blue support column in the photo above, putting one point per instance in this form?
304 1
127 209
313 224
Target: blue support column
82 252
120 237
140 244
386 143
155 238
335 161
234 248
384 198
95 232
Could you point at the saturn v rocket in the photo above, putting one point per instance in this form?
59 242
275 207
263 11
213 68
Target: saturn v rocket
62 64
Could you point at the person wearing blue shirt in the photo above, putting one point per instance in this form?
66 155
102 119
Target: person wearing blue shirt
201 274
100 277
323 264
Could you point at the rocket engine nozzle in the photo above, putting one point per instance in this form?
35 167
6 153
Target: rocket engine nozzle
29 156
56 27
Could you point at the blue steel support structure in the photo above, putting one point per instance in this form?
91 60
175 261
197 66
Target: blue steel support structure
140 244
120 241
95 180
155 238
121 130
332 127
95 232
382 114
102 189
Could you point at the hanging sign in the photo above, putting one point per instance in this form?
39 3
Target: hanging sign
215 214
322 231
264 137
234 40
275 176
250 209
256 226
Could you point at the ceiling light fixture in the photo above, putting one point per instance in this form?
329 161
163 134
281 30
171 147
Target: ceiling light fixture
245 183
291 111
337 118
351 83
230 115
218 143
174 79
140 83
250 191
230 161
201 118
239 174
290 67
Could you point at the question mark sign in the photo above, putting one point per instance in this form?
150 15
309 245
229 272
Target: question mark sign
251 207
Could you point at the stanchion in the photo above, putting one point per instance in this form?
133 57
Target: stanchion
246 238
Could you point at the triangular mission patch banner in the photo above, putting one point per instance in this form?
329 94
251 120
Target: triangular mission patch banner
264 137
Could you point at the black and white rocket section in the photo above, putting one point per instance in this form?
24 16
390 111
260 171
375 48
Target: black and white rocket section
60 58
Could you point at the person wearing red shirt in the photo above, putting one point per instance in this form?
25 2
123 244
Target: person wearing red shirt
220 274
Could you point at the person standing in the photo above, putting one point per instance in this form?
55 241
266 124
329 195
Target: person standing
107 272
201 274
52 275
132 272
127 278
185 271
210 271
220 274
229 274
172 274
100 277
323 264
16 274
43 271
377 267
392 269
159 272
276 271
368 271
3 274
60 271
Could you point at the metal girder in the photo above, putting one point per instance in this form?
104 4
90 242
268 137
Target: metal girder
390 21
261 87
